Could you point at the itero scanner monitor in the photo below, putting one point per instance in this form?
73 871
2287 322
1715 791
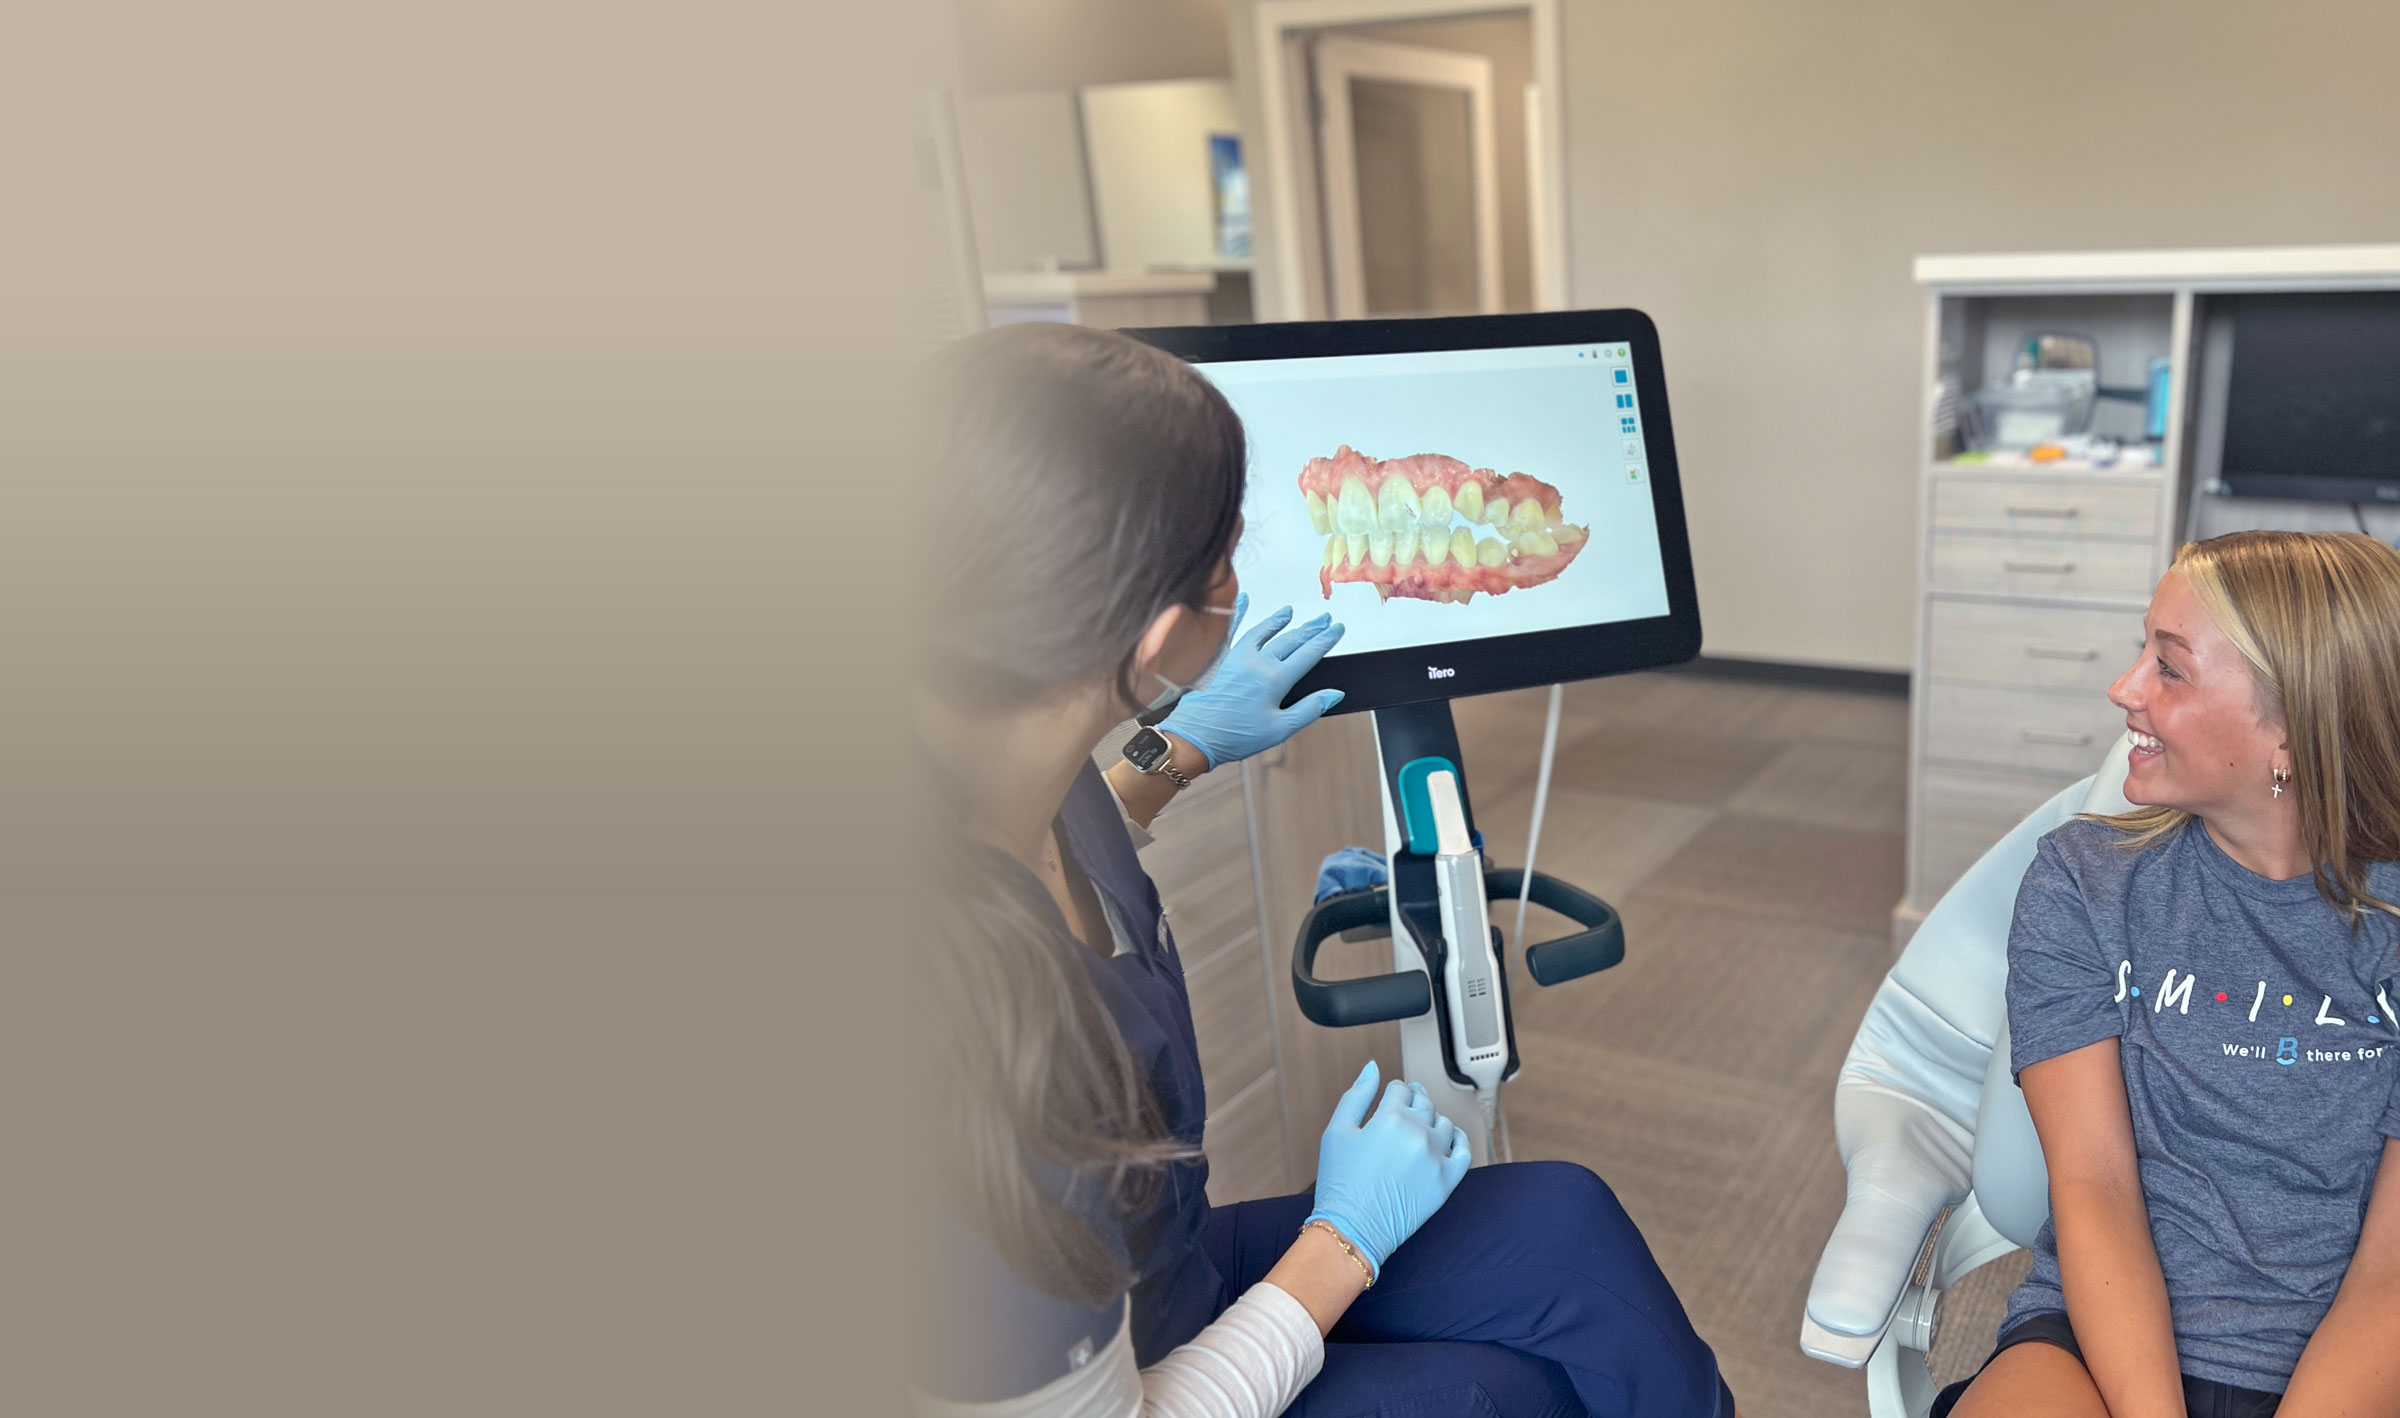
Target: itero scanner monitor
1485 502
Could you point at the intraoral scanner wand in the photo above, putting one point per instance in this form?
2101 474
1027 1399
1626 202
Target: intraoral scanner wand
1471 979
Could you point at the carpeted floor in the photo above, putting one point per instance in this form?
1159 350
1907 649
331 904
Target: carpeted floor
1751 835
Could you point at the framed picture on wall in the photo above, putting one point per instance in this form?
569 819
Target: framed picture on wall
1232 186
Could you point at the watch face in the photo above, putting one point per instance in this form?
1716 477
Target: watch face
1146 750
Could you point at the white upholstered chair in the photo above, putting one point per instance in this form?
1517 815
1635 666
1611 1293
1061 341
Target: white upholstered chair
1927 1117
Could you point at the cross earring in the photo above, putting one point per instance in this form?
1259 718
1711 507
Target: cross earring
2282 776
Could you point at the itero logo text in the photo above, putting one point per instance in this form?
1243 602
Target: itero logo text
1437 672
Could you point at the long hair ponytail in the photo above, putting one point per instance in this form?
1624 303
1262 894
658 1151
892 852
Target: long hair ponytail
1076 483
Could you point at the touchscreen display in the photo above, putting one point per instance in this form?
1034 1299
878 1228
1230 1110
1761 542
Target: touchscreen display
1436 497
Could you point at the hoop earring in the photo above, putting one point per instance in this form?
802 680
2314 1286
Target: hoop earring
2282 776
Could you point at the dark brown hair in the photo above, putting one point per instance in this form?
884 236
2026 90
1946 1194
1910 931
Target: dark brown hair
1079 483
1076 484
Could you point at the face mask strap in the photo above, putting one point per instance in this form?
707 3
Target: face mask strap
1164 704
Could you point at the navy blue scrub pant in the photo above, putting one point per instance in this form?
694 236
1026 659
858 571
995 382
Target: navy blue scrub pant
1530 1294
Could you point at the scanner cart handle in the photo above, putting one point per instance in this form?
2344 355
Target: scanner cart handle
1371 999
1404 994
1599 945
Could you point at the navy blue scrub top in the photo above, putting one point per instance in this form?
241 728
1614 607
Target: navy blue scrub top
1003 1337
1179 1291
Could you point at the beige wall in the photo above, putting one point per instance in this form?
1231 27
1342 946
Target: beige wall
1758 176
1068 44
1151 180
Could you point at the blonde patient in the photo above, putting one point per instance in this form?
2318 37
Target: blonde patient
2199 1003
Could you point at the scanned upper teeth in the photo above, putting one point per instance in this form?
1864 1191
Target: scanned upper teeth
1354 508
1469 501
2142 740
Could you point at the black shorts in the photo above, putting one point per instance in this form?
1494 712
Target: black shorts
2202 1398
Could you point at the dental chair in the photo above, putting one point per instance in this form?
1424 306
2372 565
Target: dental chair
1927 1117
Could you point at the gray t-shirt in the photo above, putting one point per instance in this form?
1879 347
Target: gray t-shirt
2258 1046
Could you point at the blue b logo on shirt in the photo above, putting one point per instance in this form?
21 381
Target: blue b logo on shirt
2287 1051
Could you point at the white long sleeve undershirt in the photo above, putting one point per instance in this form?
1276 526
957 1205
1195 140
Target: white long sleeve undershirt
1251 1363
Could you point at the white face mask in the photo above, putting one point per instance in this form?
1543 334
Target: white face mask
1157 708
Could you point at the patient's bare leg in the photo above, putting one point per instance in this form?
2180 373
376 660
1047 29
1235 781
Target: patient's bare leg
2032 1380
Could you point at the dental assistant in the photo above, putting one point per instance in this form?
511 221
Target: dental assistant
1087 493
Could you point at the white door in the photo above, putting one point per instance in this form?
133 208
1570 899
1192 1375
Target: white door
1411 190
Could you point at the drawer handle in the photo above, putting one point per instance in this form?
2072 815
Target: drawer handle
2052 736
2043 568
2059 652
2061 512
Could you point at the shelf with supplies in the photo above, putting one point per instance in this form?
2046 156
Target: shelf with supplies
2139 460
2066 438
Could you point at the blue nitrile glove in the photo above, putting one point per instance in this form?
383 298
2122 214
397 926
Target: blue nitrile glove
1380 1177
1238 710
1351 869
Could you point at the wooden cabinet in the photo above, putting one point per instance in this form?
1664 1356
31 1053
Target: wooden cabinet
2033 576
1235 860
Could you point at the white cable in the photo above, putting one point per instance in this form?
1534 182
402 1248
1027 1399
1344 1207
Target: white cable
1495 1120
1541 803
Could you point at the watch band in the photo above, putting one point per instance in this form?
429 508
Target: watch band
1174 773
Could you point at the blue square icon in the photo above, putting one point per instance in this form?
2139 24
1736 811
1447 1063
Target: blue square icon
1624 401
1624 376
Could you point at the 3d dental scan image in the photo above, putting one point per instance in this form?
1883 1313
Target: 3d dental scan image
1388 525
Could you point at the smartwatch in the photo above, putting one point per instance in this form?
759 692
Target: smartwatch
1148 751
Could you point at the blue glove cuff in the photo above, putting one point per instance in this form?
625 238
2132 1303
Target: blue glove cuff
1351 1234
1183 731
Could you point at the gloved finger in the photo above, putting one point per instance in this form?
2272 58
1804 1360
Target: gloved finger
1306 651
1351 1108
1304 713
1304 656
1442 1132
1420 1107
1269 626
1283 645
1462 1156
1395 1099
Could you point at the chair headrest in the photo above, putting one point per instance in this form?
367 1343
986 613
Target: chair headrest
2012 1184
2108 785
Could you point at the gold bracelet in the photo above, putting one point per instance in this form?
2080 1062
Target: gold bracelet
1344 1242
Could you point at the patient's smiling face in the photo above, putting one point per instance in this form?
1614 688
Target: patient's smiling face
2201 743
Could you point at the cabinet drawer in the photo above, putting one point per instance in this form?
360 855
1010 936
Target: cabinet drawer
2055 508
2040 566
1963 812
2049 647
2064 734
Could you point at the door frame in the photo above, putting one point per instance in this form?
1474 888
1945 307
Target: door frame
1280 83
1341 57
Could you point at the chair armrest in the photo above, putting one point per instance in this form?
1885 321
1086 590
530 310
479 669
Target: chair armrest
1906 1162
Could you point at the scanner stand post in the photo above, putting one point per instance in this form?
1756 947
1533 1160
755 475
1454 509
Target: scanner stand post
1413 992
